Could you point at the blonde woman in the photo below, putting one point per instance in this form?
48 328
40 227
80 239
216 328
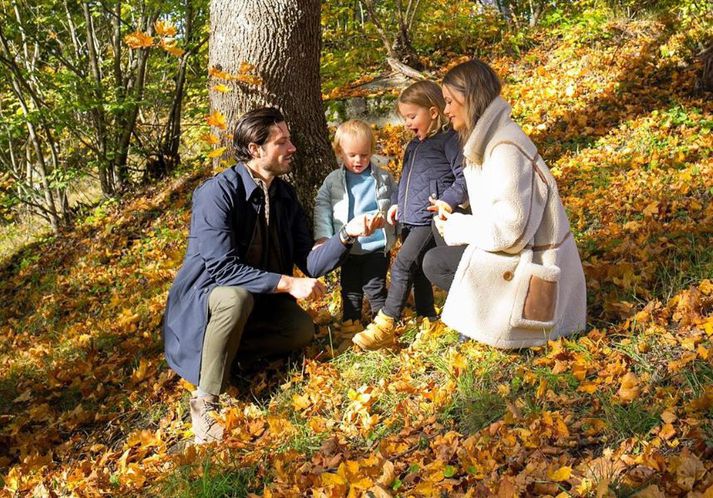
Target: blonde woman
512 268
431 179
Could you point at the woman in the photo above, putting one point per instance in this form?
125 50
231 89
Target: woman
512 268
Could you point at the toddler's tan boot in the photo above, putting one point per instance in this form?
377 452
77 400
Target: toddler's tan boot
378 334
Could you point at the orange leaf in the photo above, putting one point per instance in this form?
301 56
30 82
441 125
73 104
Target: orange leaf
214 72
172 48
629 389
138 39
165 28
216 119
211 139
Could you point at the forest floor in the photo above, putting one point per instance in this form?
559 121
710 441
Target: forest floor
88 406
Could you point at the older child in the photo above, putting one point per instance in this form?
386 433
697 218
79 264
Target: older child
431 179
357 187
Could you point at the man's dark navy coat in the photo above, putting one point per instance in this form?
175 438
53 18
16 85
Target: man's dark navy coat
225 210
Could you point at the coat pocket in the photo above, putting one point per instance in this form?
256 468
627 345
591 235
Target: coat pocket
433 189
535 305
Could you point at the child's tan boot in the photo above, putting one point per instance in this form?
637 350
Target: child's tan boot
378 334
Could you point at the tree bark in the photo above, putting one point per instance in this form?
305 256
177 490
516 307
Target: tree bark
282 39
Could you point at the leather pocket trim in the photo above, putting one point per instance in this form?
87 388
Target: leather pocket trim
540 300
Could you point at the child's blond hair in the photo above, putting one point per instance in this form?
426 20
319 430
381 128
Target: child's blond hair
355 128
426 94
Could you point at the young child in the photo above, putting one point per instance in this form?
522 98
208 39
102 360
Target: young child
357 187
431 180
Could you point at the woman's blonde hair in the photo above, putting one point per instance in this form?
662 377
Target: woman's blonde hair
478 84
354 128
426 94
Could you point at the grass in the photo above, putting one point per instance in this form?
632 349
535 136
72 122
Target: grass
210 482
634 419
305 441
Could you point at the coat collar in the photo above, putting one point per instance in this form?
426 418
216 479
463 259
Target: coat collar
250 185
495 115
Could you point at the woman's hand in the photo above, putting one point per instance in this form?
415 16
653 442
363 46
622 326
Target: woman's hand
441 208
392 214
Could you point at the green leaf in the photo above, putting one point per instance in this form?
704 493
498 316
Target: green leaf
449 471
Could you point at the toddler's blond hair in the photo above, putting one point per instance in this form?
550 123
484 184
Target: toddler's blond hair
354 128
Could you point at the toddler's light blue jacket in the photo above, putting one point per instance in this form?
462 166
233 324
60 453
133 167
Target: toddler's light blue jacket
331 208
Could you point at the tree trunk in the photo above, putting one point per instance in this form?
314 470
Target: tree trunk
282 39
706 78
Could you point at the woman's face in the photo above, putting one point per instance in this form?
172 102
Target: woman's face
455 109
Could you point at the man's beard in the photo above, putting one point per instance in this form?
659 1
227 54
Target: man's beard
280 168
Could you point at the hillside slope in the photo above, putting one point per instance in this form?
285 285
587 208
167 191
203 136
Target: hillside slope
88 406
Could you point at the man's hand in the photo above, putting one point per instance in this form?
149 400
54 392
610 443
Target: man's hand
301 288
392 214
441 208
364 225
440 221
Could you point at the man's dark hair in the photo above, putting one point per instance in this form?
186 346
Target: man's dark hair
254 127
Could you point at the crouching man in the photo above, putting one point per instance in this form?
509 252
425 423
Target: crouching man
235 289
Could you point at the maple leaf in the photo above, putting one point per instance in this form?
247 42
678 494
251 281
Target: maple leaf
164 28
172 48
138 39
210 139
216 119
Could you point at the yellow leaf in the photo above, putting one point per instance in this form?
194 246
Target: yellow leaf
330 479
588 387
629 389
216 119
138 39
703 352
210 139
140 371
708 326
299 401
172 48
667 431
164 28
217 152
652 209
222 88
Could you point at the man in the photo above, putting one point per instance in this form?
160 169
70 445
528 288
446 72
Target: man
235 289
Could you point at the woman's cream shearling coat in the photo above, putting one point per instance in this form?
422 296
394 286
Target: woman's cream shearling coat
512 211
